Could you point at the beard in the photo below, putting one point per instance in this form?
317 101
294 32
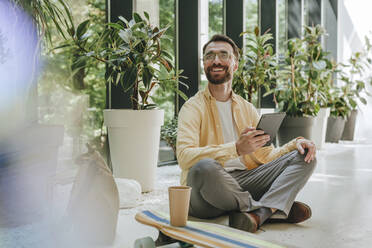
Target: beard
218 79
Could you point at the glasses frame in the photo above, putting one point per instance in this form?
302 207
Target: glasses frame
217 54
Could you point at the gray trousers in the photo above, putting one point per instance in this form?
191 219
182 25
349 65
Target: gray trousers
216 192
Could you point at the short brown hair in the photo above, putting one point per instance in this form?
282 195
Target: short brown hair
224 38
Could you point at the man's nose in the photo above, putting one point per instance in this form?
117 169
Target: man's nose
217 63
217 59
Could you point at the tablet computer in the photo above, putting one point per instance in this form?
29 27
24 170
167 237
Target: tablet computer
270 124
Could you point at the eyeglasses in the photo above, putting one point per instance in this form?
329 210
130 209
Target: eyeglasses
211 56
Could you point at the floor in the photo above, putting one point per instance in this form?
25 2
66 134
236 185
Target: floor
339 193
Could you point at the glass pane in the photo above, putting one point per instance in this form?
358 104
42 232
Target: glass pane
305 18
215 17
211 24
251 14
73 96
161 14
282 28
151 7
165 97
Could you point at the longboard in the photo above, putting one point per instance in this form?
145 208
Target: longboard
200 233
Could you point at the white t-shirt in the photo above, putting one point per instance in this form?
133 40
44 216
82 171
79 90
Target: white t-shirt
229 132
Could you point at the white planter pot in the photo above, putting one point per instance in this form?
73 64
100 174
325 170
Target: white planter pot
134 143
320 127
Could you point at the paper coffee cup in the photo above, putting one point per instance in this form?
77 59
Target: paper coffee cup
179 200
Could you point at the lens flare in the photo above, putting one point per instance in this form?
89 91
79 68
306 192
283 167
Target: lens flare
24 166
19 64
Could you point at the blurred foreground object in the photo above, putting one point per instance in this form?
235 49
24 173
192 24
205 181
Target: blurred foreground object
92 214
28 162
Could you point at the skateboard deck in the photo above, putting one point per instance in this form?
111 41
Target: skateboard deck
200 233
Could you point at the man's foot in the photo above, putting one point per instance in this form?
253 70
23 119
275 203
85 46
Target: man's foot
244 221
299 212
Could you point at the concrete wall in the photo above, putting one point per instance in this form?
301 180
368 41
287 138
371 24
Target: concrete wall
354 24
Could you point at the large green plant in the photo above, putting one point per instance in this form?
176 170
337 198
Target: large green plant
42 11
339 101
134 54
319 70
169 133
257 66
351 88
305 79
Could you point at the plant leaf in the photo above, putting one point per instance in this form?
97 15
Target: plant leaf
146 76
82 29
320 65
137 18
165 63
363 100
125 35
129 78
60 47
124 20
114 25
146 15
183 95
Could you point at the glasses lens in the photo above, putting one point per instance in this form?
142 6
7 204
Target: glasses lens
209 56
224 56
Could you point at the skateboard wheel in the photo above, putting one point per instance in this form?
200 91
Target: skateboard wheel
185 245
146 242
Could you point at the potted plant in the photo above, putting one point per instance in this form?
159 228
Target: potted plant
257 67
298 88
340 109
169 133
168 136
354 79
133 52
324 70
321 119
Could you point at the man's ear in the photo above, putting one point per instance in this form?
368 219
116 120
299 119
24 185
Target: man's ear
236 64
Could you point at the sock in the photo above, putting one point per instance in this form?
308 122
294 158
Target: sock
263 213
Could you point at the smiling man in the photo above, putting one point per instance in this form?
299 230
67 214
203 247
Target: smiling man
223 158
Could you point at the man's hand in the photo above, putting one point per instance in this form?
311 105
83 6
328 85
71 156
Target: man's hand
302 144
249 142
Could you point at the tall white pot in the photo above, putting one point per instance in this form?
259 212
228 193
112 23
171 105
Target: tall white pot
320 127
134 143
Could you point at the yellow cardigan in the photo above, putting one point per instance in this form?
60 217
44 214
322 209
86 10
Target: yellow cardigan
200 133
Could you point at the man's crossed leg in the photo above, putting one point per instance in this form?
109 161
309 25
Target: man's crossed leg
250 197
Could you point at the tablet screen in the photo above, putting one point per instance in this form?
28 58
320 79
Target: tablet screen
270 124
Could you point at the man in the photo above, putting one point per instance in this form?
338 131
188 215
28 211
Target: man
223 158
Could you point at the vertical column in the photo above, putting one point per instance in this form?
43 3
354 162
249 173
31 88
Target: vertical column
204 23
188 46
330 24
116 98
268 19
294 18
234 20
151 7
314 11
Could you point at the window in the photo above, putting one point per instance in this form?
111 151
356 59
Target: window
211 24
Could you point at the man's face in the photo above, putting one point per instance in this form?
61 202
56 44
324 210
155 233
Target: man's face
219 62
